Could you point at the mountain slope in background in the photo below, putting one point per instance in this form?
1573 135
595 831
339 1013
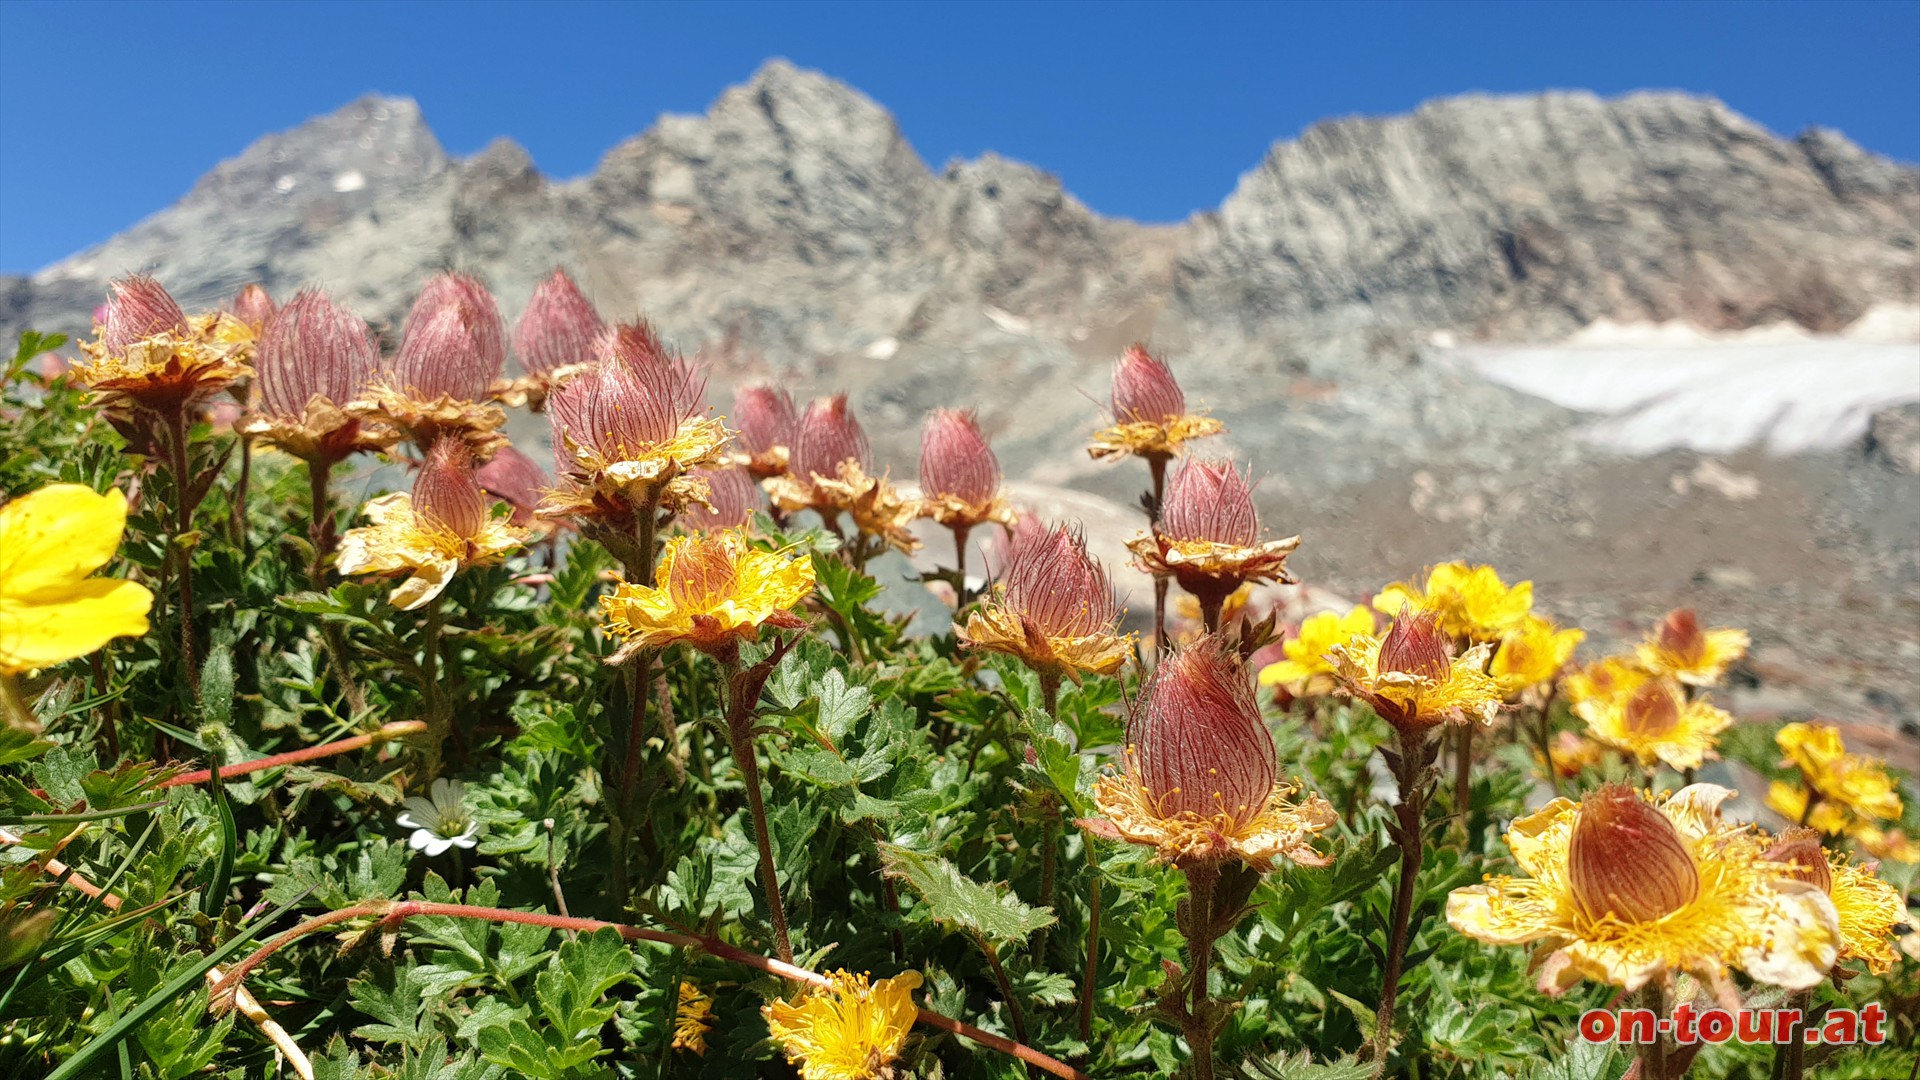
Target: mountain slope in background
792 230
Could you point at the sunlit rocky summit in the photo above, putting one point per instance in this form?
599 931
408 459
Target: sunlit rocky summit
1368 310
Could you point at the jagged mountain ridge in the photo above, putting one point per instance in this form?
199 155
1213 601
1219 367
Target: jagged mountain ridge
792 227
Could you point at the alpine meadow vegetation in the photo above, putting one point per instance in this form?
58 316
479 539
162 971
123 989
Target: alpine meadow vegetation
344 739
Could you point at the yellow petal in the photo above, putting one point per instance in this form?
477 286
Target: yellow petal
87 615
54 537
426 582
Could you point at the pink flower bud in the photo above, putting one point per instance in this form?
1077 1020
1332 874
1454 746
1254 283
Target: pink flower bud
313 348
618 411
447 493
139 309
1144 390
955 460
735 498
1415 646
1626 859
1199 744
1800 850
1058 589
454 341
637 347
1680 635
515 479
828 435
558 328
254 306
765 416
1212 501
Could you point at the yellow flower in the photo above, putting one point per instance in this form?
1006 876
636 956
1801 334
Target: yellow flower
1470 601
710 591
1891 845
1624 889
423 419
1055 610
1146 438
1857 785
692 1019
1308 670
1603 679
1201 780
877 507
1533 654
849 1030
1411 678
402 540
1869 908
1573 754
1656 722
1790 802
51 610
1686 652
170 367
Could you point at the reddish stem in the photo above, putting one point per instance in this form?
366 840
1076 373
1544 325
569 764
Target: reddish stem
391 914
399 729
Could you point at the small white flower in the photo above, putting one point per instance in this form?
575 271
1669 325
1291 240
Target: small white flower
439 821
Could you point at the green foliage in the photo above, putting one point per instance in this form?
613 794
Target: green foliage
910 786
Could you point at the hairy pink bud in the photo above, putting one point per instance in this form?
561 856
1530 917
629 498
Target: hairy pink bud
1199 744
1627 860
1144 389
446 491
1210 500
558 328
734 498
313 348
1415 646
515 479
637 347
1653 710
955 459
1680 635
618 411
139 309
1058 589
1800 850
454 341
828 435
765 416
254 306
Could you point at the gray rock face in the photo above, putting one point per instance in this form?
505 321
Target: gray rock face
792 231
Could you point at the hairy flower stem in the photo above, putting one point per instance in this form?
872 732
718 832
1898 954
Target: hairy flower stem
1197 1018
1653 1055
1157 468
1051 828
960 565
1093 942
740 735
177 546
320 535
241 487
1790 1058
622 827
1463 777
391 914
1410 769
437 714
1015 1015
399 729
1210 607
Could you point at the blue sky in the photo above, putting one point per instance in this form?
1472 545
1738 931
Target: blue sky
108 112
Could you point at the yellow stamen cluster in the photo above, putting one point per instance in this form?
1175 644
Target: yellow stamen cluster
692 1019
710 590
399 540
1258 835
1738 911
851 1029
168 369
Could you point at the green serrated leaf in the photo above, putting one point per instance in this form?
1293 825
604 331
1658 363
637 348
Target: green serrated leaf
953 899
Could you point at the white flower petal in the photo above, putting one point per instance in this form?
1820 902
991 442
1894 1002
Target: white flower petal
407 821
422 810
437 846
420 839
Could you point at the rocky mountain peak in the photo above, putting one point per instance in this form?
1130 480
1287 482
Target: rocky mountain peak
375 142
